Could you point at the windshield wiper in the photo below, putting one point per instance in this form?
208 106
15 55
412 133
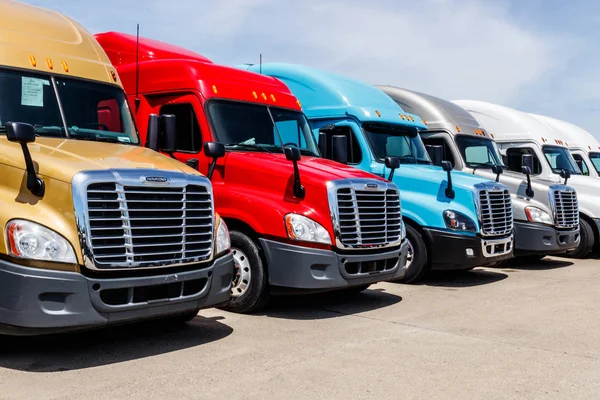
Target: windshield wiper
98 139
249 146
476 165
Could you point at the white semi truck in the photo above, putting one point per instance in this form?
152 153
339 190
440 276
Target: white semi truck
517 134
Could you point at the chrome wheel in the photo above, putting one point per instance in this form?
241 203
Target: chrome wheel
410 255
242 273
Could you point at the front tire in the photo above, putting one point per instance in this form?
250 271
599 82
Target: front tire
417 260
586 241
249 289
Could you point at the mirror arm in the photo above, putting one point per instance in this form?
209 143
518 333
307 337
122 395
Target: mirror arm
391 174
34 183
299 191
211 168
449 190
529 192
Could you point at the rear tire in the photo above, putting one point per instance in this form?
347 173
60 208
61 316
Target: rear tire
419 260
250 288
586 242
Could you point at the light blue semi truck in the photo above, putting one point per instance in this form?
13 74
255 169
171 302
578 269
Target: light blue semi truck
454 220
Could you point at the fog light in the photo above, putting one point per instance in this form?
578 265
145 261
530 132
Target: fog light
470 252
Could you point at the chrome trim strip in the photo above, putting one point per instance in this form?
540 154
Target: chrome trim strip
131 177
507 242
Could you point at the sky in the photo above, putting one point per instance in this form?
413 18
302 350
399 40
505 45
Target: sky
539 56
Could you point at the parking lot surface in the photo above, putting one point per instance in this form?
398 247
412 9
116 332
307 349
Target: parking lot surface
520 331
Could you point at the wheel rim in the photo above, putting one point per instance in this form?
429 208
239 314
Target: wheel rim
410 254
242 273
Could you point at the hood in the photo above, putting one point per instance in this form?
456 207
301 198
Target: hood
274 171
61 158
436 176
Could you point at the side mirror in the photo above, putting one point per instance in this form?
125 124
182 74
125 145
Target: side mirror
498 170
447 166
565 175
436 153
323 144
152 133
215 151
392 163
22 133
169 133
339 149
527 161
527 171
293 154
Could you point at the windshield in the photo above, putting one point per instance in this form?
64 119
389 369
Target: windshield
560 159
91 111
478 152
595 158
389 140
255 127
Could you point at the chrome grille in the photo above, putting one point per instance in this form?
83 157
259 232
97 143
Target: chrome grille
495 212
368 218
140 226
565 207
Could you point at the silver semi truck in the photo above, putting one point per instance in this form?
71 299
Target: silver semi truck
545 212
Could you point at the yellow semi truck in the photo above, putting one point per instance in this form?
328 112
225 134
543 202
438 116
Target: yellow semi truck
96 228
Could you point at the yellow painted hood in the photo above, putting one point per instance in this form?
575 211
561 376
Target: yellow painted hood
61 159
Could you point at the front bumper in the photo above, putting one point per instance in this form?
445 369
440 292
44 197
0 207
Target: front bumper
448 250
36 301
297 268
531 238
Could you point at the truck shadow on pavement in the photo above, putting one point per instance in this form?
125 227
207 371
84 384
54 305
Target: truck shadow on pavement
458 279
328 305
87 349
541 265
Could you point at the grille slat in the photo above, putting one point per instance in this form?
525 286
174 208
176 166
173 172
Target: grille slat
566 208
368 218
133 226
496 214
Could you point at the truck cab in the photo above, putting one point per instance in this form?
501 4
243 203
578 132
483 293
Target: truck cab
518 134
97 230
454 220
298 223
470 148
584 147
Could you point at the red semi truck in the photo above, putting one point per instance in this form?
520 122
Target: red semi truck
298 222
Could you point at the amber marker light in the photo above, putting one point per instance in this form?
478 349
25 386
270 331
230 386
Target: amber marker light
378 113
424 122
264 96
33 61
457 128
214 88
299 104
113 75
255 95
49 63
273 98
65 66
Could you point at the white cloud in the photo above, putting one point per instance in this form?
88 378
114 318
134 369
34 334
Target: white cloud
449 48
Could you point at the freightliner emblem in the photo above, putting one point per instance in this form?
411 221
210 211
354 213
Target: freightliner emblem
372 186
161 180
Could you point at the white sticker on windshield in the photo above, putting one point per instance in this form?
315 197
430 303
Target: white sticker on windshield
32 92
124 139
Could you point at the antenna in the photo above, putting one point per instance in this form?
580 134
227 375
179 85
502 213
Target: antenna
137 68
260 64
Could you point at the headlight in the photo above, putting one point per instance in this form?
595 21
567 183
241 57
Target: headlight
534 214
305 229
27 239
223 240
458 221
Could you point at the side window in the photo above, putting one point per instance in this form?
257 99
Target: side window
581 164
514 162
447 156
290 132
354 152
189 138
